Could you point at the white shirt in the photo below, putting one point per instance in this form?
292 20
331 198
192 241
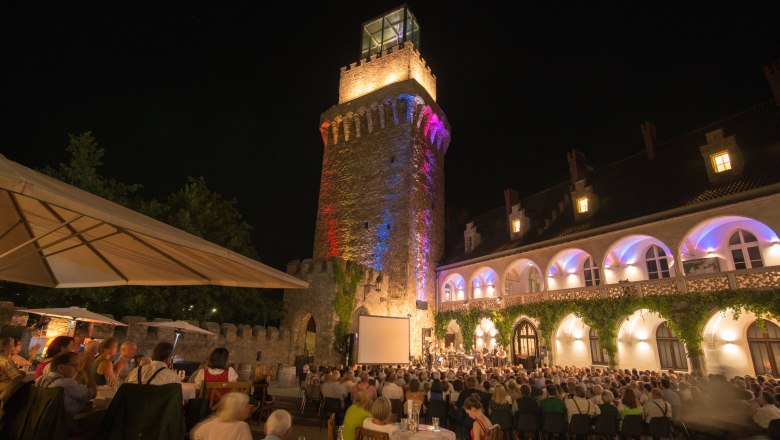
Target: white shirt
163 377
232 375
215 429
392 391
766 414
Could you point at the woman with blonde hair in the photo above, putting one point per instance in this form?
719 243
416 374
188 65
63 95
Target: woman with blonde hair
228 423
500 401
380 412
357 413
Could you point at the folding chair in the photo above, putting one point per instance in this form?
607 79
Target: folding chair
580 425
553 423
525 423
632 427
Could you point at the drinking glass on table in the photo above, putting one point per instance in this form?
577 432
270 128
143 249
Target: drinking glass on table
435 423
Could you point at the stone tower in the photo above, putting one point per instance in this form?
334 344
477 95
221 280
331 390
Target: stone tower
381 200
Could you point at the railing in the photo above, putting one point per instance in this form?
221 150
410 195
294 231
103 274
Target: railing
761 278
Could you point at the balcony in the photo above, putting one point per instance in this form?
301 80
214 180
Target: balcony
761 278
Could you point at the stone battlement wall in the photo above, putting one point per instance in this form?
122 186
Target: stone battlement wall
247 344
396 64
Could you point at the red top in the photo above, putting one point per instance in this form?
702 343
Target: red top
221 377
39 369
482 434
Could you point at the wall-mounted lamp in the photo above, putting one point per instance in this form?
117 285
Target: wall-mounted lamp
376 285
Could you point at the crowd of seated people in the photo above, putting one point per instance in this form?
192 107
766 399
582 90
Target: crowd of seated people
712 405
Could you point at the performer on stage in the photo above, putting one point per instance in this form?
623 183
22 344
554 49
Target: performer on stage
501 354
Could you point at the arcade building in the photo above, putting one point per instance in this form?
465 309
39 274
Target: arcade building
666 259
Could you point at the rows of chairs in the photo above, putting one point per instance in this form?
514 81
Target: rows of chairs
581 426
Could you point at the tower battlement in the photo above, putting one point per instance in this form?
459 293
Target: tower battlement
396 64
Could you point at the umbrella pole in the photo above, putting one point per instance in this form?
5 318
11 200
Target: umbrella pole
177 333
70 326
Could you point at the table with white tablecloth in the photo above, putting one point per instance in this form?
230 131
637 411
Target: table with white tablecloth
188 390
426 432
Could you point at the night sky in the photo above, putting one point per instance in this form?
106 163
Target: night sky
234 93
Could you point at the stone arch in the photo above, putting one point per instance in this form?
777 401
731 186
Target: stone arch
301 323
565 269
625 258
354 324
636 343
517 277
572 344
392 114
725 345
456 338
709 240
524 344
455 285
483 282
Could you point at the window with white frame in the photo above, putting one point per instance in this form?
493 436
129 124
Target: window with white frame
591 272
582 205
744 250
721 161
657 263
448 292
534 280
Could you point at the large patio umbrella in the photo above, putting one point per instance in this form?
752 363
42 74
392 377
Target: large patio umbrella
73 314
53 234
179 327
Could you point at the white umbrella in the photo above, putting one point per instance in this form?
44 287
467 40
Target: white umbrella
178 327
73 314
55 235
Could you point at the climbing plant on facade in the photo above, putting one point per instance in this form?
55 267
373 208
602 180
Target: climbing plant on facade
686 315
346 275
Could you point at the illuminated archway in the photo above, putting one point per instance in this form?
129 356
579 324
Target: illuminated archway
706 248
726 343
453 288
483 283
523 276
568 269
627 259
637 340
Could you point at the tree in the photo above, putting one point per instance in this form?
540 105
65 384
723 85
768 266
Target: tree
195 209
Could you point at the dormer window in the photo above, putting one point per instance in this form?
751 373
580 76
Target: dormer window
722 157
721 161
471 237
582 205
516 226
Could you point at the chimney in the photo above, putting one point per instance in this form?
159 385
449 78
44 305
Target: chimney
576 165
510 198
772 73
648 134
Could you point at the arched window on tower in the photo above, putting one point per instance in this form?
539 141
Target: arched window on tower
764 346
670 349
534 280
591 272
657 263
744 250
598 354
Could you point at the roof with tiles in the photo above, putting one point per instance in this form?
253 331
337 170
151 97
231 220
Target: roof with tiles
637 186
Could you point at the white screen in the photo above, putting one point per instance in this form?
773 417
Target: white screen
383 340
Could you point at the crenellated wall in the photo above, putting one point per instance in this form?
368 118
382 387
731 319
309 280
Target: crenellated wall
250 345
397 64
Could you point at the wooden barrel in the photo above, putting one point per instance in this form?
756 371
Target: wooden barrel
286 376
244 372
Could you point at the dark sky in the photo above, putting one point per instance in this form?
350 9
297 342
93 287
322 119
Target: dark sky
234 93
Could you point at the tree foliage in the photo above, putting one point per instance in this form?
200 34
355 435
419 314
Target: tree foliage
193 208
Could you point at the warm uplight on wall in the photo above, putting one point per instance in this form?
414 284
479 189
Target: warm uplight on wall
516 225
721 161
582 205
728 335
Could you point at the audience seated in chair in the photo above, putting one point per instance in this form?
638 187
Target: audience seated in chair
380 413
278 426
228 422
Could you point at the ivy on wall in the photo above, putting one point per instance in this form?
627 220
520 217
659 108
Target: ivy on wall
686 315
346 275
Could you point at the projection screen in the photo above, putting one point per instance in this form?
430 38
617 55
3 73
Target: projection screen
383 340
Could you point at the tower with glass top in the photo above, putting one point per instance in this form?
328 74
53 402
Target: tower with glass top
381 199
